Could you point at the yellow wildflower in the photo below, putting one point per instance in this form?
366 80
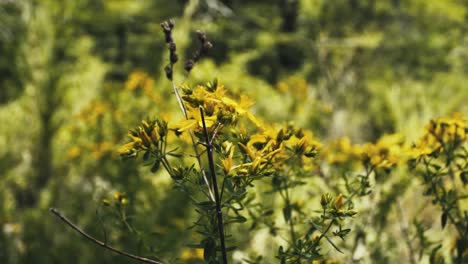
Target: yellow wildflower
192 254
74 152
442 133
139 79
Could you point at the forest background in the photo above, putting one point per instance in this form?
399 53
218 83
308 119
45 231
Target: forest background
75 75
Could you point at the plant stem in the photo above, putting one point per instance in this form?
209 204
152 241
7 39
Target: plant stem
326 231
192 137
438 199
219 214
291 224
405 232
100 243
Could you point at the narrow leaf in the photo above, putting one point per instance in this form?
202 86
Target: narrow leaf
444 220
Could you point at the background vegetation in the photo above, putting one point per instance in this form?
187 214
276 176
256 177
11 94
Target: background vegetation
77 74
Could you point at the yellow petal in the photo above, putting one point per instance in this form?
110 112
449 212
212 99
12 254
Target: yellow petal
185 125
126 148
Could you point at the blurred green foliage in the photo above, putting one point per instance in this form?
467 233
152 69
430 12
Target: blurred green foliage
356 68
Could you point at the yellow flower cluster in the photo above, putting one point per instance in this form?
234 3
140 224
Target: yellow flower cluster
93 110
100 149
294 85
386 153
340 151
442 134
219 109
145 137
270 149
139 80
119 199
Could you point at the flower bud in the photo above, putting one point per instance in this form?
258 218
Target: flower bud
155 135
338 201
325 199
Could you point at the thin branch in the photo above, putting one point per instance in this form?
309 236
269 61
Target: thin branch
100 243
215 133
209 148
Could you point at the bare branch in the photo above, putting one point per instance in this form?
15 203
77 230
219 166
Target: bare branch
100 243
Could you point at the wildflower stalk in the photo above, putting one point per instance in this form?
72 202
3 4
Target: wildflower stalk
209 149
437 188
100 243
287 201
167 27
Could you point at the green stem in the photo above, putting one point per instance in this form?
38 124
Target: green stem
291 223
326 231
192 137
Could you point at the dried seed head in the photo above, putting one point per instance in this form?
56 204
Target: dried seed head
196 56
172 47
207 45
165 26
189 65
168 70
167 29
173 57
201 36
171 23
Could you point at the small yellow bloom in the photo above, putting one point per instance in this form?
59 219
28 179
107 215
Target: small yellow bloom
119 198
73 152
192 254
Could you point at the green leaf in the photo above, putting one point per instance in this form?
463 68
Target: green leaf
228 185
443 219
437 167
432 258
155 166
333 244
464 177
206 205
287 213
146 155
209 249
268 212
173 154
237 219
280 251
